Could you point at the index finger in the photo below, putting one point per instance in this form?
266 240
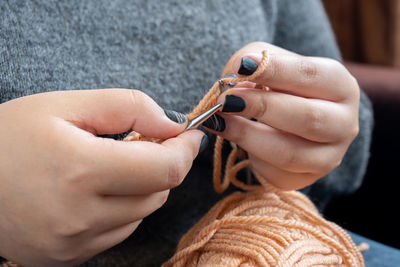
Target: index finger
138 167
311 77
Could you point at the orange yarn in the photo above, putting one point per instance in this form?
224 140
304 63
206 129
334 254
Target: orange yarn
208 101
266 227
270 228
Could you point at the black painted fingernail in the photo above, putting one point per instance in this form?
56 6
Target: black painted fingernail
203 143
248 66
232 75
233 104
175 116
216 123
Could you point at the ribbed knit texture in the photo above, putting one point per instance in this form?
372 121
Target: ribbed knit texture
174 51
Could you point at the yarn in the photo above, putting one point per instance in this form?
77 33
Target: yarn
262 227
265 228
208 101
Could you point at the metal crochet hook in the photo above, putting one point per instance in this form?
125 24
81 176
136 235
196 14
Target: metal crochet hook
196 122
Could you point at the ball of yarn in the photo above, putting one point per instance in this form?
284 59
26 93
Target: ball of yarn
265 229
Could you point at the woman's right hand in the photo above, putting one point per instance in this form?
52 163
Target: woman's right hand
66 194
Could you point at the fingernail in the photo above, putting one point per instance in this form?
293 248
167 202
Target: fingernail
216 123
203 143
233 104
232 75
175 116
248 66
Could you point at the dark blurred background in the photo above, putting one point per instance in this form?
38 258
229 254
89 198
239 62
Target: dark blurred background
368 33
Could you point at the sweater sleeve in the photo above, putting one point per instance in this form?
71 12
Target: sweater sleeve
302 26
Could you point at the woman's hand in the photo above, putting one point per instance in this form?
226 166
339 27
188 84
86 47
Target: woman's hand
65 194
305 122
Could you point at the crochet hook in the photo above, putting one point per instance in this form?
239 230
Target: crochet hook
196 122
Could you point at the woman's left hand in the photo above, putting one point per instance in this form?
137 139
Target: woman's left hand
304 123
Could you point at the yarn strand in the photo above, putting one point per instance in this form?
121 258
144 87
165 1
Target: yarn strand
286 225
264 226
304 238
208 101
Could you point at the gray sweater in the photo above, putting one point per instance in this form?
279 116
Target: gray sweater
173 50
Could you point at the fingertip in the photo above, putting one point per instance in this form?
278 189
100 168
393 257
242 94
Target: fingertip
195 135
221 97
172 127
254 56
246 64
160 125
224 99
177 117
197 140
191 138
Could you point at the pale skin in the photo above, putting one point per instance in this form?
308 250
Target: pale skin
305 123
67 195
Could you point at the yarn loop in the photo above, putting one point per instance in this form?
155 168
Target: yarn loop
261 227
274 228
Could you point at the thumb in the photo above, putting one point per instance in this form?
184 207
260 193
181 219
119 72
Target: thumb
111 111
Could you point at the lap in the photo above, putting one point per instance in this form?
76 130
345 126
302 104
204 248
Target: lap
378 254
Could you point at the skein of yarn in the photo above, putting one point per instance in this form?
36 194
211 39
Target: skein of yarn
272 228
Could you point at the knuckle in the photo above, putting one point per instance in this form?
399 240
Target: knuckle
331 165
74 181
64 255
289 158
347 81
272 69
71 228
63 251
75 178
60 228
308 179
314 122
355 87
138 98
334 66
308 70
353 80
355 131
324 165
239 135
136 95
260 108
176 171
336 163
162 198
